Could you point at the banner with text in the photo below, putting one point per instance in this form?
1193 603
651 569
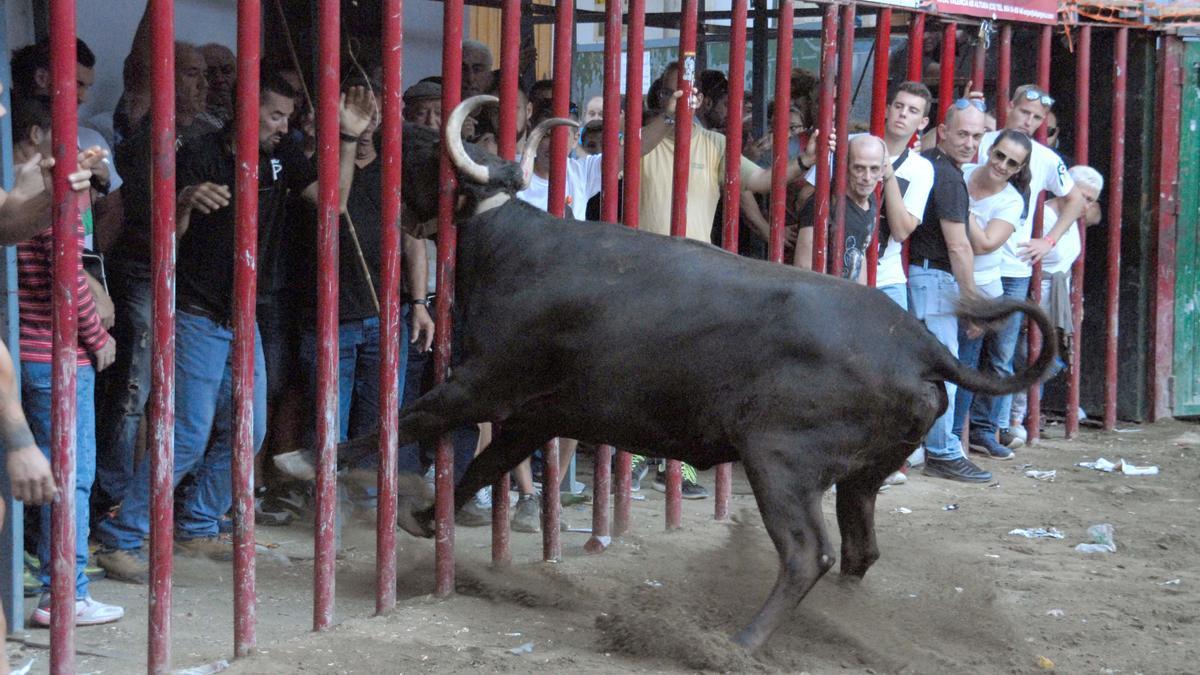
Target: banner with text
1037 11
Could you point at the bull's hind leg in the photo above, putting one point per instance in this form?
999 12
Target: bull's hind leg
789 498
856 517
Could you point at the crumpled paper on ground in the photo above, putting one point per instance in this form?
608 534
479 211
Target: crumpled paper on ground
1122 466
1102 540
1038 533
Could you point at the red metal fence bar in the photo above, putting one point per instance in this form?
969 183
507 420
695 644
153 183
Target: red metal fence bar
65 324
1083 70
564 24
452 36
845 74
1162 300
245 265
732 185
946 63
879 91
916 47
979 65
609 212
162 373
510 64
1033 414
329 44
635 48
1116 194
824 124
1003 74
779 133
391 54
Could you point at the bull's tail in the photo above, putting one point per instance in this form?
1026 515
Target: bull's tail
986 311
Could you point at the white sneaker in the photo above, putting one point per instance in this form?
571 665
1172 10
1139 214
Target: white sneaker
430 478
483 498
897 478
88 612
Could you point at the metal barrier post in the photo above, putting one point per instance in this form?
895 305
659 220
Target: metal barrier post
732 185
1003 74
946 66
635 48
447 241
245 265
916 48
1116 194
63 105
824 125
879 92
328 90
845 74
161 422
779 133
391 55
1083 70
1033 414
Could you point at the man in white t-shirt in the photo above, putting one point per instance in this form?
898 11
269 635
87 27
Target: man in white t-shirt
1026 113
908 178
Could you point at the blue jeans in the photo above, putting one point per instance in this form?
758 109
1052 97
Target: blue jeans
989 413
124 387
358 373
968 353
898 293
934 294
37 402
203 436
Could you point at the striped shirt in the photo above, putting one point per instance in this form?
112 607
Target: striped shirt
35 267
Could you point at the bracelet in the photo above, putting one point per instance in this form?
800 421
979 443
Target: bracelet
348 138
424 302
668 120
801 164
1052 240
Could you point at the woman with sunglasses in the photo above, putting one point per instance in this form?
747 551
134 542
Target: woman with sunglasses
997 189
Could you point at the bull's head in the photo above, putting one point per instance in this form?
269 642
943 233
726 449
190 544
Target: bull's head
487 180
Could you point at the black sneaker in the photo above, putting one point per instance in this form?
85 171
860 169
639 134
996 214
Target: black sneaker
988 445
959 469
689 489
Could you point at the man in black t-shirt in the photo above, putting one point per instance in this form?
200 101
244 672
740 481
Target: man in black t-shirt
941 268
205 226
865 156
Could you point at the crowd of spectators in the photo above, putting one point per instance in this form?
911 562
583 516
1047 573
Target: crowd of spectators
963 208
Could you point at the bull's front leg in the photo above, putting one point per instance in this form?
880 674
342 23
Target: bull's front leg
856 522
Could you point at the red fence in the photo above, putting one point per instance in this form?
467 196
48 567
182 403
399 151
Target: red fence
837 46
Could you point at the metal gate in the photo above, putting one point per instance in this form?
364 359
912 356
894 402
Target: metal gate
1187 255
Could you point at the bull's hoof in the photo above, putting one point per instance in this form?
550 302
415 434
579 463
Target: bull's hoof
416 521
853 571
298 464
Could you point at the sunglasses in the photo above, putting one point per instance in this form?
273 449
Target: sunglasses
964 103
1008 162
1033 94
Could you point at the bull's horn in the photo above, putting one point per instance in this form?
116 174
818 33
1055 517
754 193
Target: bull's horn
454 142
535 139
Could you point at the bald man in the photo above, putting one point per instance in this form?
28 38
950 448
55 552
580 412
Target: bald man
864 168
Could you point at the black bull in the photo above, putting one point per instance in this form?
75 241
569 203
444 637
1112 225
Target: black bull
678 349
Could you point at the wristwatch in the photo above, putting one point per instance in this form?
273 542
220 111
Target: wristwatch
417 301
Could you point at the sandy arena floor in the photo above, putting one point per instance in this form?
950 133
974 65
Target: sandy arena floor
952 593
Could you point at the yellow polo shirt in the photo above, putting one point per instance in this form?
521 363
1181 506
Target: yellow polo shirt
704 184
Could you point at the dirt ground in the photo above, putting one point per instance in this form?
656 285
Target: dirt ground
952 593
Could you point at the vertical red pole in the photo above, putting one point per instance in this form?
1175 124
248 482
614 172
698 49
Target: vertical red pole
779 132
609 206
162 385
1116 194
635 48
732 191
946 63
447 242
389 324
564 24
329 44
245 599
979 66
1003 75
1033 415
824 126
879 91
1083 71
916 48
1166 162
510 57
683 153
65 323
845 74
